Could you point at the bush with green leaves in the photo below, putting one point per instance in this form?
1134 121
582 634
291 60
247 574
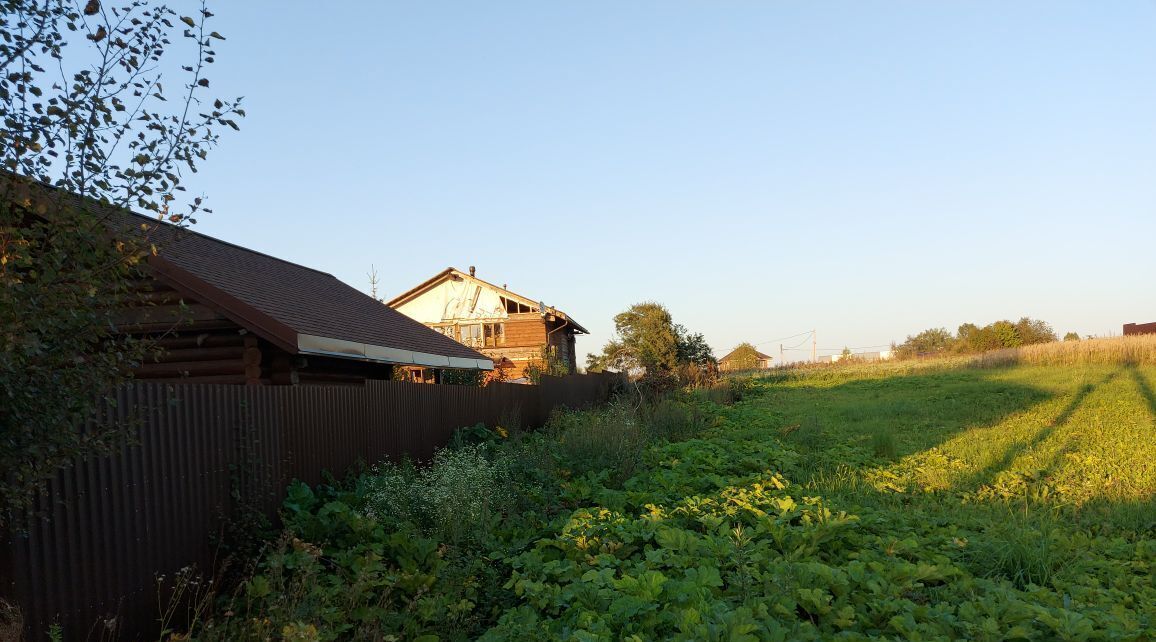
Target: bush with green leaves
459 498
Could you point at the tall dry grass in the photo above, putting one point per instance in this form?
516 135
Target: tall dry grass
1135 350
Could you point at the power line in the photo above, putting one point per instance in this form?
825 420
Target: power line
799 343
808 333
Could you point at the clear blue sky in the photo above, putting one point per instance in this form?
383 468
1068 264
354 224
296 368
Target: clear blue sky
868 169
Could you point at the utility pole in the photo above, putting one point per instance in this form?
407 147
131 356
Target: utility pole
814 343
782 362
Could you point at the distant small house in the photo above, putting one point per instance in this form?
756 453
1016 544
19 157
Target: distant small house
513 330
729 362
1139 328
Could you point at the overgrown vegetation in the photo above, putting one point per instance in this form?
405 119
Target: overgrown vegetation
548 364
917 501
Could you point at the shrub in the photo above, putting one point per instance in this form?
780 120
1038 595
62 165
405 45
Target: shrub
457 499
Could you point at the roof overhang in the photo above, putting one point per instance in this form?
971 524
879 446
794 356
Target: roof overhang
312 344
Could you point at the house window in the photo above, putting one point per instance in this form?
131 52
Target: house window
471 335
479 335
495 334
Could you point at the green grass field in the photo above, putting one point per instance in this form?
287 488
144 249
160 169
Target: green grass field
1073 440
895 501
910 501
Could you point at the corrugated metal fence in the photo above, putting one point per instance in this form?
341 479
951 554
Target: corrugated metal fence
111 525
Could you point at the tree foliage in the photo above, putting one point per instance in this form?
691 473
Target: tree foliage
648 340
89 127
932 341
970 338
693 348
1072 336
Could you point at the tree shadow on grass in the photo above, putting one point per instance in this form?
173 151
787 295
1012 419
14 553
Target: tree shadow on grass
919 411
988 474
1145 389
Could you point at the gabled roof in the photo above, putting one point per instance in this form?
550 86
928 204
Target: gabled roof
732 353
311 310
456 274
299 309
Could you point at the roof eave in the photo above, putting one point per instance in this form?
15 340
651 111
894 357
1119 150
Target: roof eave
327 346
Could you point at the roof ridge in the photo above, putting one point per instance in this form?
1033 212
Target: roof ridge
89 203
186 230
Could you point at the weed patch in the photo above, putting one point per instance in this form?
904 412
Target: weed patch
919 501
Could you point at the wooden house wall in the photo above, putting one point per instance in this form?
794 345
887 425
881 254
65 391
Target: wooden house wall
198 344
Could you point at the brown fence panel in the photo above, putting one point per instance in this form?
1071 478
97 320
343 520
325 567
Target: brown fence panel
108 527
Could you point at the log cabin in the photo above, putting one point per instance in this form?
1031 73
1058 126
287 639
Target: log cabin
514 331
225 314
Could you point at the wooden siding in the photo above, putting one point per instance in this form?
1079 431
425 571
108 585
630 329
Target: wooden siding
525 332
525 336
199 344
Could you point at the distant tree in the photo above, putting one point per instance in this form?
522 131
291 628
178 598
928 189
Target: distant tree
86 119
646 339
971 338
1071 336
968 338
1005 334
648 342
744 357
1032 331
846 352
692 348
933 341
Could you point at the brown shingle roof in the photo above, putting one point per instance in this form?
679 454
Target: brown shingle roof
298 308
307 301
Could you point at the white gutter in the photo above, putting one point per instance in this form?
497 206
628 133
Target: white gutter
312 344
